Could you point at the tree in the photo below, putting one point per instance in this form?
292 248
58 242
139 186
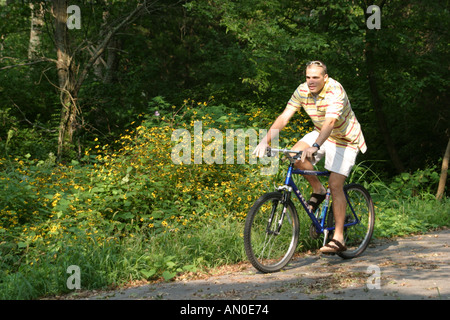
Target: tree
247 54
37 23
444 170
71 75
371 65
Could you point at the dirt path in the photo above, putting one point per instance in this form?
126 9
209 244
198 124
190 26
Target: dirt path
416 267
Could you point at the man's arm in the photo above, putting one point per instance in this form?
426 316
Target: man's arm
325 132
276 127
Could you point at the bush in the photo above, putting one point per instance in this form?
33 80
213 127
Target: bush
407 203
126 211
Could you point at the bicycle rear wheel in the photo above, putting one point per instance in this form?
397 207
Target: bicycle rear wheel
360 205
268 244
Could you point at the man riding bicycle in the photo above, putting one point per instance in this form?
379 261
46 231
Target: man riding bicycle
337 135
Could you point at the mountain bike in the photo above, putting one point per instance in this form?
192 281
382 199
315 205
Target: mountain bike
271 231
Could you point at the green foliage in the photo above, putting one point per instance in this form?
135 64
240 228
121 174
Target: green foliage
246 55
406 216
420 182
407 203
116 194
127 213
121 210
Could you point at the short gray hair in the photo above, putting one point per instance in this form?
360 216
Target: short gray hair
319 64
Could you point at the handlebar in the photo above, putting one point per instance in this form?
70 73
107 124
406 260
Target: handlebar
271 153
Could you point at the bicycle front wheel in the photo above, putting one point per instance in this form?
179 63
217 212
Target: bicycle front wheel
270 239
360 210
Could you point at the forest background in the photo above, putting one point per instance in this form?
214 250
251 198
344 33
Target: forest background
90 96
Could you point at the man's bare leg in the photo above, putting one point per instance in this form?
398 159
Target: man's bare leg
315 183
336 184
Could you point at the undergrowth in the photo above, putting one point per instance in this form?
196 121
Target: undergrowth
125 212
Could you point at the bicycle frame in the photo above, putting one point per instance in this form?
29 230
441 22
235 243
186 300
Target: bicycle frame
289 186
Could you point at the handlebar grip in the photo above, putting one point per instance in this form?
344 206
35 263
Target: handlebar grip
271 153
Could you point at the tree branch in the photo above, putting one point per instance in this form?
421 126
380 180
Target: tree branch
101 48
28 63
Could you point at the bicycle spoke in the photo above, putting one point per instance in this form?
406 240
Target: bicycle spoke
267 239
262 256
360 205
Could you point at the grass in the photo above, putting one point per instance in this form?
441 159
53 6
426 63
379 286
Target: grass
407 216
129 259
210 244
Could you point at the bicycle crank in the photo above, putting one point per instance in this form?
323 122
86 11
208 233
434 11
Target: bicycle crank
313 232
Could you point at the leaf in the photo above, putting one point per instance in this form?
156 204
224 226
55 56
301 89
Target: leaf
405 176
148 273
157 214
190 267
22 245
167 275
126 178
63 204
222 119
125 215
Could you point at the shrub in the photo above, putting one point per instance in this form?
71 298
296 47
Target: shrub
127 202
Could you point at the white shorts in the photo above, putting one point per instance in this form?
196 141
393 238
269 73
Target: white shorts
337 159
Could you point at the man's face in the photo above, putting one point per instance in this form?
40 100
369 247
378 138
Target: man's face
315 79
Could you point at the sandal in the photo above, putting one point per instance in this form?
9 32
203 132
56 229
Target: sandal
315 200
338 247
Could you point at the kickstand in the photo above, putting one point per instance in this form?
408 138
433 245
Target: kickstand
325 237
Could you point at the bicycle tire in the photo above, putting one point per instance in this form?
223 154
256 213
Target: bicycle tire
357 237
269 252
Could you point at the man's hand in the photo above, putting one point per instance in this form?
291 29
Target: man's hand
308 153
261 149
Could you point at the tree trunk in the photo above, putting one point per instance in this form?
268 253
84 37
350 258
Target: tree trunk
112 62
66 79
70 80
444 170
37 23
106 70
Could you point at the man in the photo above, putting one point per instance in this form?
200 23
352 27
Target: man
337 135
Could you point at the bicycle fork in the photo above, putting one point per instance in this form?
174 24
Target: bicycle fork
273 215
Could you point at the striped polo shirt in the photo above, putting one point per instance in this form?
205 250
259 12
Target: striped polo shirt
331 102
